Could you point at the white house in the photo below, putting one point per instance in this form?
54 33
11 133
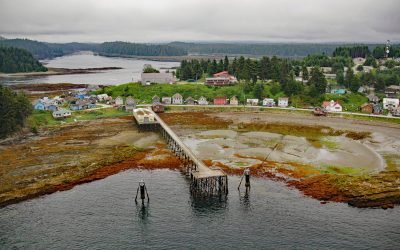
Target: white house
130 103
234 101
269 102
252 102
332 106
390 103
166 100
119 101
202 101
103 97
162 77
177 99
283 102
62 113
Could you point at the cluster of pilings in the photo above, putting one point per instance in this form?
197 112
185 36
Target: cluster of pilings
148 126
209 186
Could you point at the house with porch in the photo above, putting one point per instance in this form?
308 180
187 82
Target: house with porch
221 79
177 99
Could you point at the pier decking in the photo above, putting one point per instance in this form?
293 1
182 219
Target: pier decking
204 180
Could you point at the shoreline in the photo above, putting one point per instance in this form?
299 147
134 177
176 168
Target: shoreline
58 71
104 135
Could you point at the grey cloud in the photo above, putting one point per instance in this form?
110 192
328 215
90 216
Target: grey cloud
171 20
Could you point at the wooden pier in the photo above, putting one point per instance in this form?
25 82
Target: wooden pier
205 181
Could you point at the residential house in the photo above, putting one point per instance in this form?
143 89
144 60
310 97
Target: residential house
130 103
332 106
373 98
283 102
81 105
361 89
220 101
392 91
62 113
119 101
202 101
367 108
252 102
52 107
221 79
102 97
390 103
396 111
177 99
269 102
155 99
166 100
377 109
39 106
162 77
158 107
234 101
189 101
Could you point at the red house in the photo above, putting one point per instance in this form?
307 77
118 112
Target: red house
220 101
221 79
222 74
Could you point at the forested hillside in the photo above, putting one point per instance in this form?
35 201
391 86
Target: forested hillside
278 49
39 50
137 49
14 109
14 60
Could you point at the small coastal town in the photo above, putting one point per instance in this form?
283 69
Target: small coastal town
166 124
86 99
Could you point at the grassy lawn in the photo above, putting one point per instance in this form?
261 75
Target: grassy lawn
41 118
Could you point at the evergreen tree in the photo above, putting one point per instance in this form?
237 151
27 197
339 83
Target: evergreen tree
14 109
318 80
226 63
304 70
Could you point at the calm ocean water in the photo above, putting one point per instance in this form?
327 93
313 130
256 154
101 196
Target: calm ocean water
131 69
103 215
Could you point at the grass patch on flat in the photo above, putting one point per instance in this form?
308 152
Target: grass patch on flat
342 170
329 144
41 118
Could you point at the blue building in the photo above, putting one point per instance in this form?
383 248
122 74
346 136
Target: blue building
39 106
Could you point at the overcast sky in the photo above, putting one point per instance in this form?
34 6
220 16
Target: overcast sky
201 20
